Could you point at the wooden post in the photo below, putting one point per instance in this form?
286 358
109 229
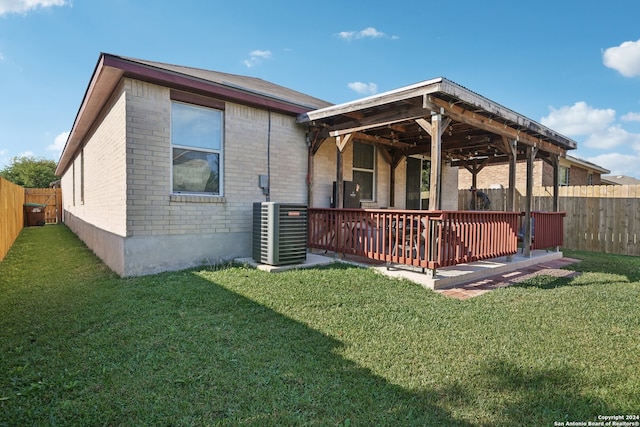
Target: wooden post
436 162
555 159
392 185
556 187
526 238
512 146
341 142
339 180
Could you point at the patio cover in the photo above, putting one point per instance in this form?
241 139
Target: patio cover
440 119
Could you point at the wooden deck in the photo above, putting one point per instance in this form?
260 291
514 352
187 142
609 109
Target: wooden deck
428 240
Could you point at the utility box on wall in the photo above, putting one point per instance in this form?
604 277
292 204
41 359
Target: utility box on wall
279 233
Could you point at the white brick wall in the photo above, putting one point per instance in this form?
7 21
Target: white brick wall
104 172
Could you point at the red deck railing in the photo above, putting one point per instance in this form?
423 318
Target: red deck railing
426 239
547 229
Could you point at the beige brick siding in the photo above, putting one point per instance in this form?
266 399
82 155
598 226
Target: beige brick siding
324 174
498 175
104 172
151 209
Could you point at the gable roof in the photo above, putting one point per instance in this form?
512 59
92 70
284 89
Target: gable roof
587 165
619 180
110 69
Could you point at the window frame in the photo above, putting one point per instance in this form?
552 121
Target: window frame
366 170
197 101
564 175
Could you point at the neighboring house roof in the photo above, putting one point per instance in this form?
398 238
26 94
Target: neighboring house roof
587 165
619 180
241 89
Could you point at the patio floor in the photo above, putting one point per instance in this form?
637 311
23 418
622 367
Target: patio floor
460 281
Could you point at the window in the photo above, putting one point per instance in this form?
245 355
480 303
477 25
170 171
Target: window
364 169
82 177
196 144
590 179
563 179
73 179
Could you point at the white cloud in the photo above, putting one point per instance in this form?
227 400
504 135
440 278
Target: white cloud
368 32
617 163
24 6
26 154
612 137
363 88
1 57
578 119
256 57
631 117
624 58
58 144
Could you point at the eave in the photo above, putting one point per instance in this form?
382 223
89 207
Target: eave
478 126
110 69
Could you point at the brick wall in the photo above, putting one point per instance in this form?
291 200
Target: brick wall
324 174
131 219
104 172
498 176
152 210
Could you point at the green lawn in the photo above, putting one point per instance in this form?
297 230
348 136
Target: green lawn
329 346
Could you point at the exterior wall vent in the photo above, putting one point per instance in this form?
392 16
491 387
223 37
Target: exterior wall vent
279 233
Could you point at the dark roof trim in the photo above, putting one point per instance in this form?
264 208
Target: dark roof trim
110 69
165 77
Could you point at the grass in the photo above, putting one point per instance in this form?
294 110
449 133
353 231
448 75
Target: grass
329 346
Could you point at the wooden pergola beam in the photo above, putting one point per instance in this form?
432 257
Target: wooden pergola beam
459 114
379 120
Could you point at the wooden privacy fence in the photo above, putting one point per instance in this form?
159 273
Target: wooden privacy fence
599 218
52 197
12 200
11 214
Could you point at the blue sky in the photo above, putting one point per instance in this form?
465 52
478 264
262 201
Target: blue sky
571 65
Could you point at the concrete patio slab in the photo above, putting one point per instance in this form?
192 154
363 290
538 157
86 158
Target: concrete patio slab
447 277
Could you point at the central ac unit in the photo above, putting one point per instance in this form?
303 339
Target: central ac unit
279 233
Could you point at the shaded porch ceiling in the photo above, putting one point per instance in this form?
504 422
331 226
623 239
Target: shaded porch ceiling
477 130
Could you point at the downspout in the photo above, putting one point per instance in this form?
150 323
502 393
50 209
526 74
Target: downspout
268 192
310 152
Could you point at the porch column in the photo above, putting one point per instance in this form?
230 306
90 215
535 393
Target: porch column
526 238
474 169
435 130
512 148
436 163
395 161
341 142
555 162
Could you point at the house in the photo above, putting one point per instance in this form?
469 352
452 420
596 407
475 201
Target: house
572 171
162 164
